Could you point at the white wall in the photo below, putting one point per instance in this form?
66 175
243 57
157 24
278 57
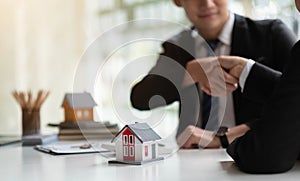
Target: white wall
40 44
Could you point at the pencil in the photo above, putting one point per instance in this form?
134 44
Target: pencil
26 100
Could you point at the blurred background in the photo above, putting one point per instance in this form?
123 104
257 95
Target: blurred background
42 43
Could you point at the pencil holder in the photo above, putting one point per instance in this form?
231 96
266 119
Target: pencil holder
30 110
30 122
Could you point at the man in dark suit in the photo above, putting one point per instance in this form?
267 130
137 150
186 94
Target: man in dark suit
266 42
272 144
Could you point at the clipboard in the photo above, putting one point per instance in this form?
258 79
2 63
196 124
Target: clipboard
66 149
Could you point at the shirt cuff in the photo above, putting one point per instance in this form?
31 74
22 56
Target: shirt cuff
245 73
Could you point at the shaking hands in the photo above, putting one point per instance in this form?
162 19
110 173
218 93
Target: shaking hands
217 76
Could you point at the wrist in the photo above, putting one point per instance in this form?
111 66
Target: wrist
245 72
222 135
224 141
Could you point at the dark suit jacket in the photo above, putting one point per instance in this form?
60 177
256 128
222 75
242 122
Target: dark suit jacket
267 42
272 145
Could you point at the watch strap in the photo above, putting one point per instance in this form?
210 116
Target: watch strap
224 141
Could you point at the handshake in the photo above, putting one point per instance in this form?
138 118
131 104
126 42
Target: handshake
217 76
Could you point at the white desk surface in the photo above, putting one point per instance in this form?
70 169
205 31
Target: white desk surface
25 163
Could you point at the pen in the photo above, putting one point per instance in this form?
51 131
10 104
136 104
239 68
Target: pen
84 146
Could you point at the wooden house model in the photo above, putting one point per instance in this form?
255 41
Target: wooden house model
79 107
136 144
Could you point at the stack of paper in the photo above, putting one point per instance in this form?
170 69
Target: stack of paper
71 130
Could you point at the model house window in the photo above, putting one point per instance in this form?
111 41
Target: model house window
79 114
131 151
130 139
146 150
86 113
125 139
125 150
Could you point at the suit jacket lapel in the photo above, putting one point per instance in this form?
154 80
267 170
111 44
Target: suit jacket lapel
239 43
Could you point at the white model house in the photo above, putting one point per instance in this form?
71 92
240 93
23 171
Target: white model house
136 144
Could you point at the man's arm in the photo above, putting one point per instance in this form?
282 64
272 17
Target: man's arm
265 74
163 80
272 145
193 137
167 79
261 82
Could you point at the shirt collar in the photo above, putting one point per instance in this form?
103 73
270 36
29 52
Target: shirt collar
226 33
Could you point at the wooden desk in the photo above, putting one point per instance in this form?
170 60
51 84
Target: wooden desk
25 163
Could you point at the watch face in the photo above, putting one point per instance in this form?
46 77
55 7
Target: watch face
222 130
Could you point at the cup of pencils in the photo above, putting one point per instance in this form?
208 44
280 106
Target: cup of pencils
30 110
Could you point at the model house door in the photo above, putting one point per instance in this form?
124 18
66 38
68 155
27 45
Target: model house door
128 145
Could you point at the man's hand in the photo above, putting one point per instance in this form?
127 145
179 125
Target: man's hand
193 137
233 64
212 78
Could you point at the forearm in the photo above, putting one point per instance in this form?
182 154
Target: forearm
261 82
143 94
232 134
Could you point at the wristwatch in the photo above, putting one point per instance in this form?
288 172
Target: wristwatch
222 135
